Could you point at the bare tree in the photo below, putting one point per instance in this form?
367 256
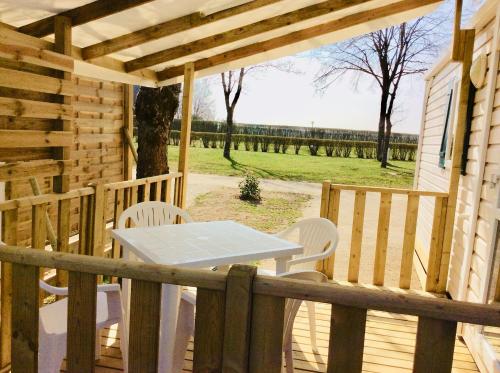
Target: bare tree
387 56
154 112
203 101
232 84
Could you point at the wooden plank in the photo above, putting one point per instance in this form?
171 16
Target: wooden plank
25 170
187 106
81 322
97 228
39 233
384 216
209 330
34 139
169 27
13 107
239 33
144 332
467 39
434 346
36 56
34 82
83 226
63 233
128 124
267 334
457 50
325 199
409 241
119 208
238 317
25 298
9 228
436 246
347 338
297 36
80 15
356 236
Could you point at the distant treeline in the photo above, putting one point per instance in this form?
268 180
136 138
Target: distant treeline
202 126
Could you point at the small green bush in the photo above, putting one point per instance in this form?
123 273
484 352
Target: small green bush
249 189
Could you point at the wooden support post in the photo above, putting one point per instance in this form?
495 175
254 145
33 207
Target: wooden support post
347 339
81 322
128 129
25 318
144 337
457 47
384 216
10 237
237 323
187 103
63 45
434 346
267 334
209 330
467 40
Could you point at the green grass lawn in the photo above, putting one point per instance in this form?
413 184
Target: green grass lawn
302 167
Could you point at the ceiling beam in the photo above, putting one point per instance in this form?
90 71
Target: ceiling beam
240 33
298 36
83 14
167 28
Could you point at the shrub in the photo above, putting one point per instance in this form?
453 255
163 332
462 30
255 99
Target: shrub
250 189
313 147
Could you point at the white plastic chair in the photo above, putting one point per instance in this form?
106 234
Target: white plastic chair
53 323
152 213
320 238
291 308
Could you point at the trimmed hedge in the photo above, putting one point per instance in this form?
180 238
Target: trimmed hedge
277 144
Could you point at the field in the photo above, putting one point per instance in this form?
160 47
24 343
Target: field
302 167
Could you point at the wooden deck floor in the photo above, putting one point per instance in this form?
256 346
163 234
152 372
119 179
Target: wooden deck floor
389 345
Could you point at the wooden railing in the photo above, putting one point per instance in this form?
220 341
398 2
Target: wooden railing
330 206
239 316
99 206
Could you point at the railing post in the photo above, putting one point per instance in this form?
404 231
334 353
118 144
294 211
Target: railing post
330 200
356 236
238 318
10 237
96 221
436 248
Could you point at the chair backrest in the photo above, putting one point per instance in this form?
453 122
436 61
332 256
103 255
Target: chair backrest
292 305
316 235
152 213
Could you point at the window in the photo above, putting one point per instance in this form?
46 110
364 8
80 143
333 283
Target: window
447 138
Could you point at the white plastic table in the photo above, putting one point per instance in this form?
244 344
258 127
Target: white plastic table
196 245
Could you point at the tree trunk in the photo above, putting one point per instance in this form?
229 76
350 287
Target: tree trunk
154 111
381 123
387 140
229 133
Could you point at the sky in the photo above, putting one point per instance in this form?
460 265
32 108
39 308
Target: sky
280 98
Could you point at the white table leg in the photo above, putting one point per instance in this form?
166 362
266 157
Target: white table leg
282 264
170 300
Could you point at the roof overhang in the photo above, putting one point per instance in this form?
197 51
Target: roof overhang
147 42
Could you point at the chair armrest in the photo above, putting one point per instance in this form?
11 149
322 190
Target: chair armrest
312 258
53 289
108 287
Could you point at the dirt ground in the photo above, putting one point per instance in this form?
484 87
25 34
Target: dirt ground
199 184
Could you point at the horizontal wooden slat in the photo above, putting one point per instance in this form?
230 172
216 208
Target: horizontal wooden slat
146 180
25 170
383 299
35 82
36 56
388 190
44 198
34 109
34 139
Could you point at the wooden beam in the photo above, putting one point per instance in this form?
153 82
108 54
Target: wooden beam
467 38
34 139
81 15
187 103
240 33
298 36
167 28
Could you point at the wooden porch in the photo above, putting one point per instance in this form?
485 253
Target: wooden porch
389 345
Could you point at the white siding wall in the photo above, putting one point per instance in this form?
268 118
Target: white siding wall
431 177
